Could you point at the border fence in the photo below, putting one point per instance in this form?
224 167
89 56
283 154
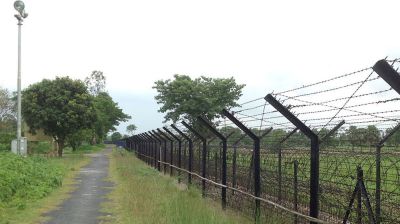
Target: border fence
326 152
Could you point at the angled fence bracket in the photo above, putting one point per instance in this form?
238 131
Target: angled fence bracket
171 149
190 151
314 169
207 124
204 155
257 176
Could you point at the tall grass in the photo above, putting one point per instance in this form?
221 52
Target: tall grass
143 195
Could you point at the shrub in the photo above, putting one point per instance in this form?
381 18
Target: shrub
41 147
26 179
5 140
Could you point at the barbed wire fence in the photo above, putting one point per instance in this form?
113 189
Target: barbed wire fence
326 152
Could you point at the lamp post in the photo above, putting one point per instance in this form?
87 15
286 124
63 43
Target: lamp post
20 7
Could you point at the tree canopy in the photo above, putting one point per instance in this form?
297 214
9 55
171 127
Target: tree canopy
116 136
108 115
59 107
131 129
186 98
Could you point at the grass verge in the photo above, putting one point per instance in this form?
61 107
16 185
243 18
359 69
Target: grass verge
33 210
143 195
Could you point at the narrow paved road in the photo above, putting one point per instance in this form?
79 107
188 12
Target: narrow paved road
83 207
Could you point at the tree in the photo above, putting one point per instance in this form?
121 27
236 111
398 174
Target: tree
116 136
7 106
330 140
131 129
372 135
273 138
186 98
77 138
356 136
59 107
394 140
108 115
96 83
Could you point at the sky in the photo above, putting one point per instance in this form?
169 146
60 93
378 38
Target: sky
267 45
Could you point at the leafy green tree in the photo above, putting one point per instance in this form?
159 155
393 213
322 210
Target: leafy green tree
352 137
77 138
186 98
108 115
372 135
394 140
131 129
273 138
330 140
116 136
59 107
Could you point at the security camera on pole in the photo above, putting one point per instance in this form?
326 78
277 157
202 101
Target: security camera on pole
19 146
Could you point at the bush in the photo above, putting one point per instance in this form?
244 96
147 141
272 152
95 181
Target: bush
5 147
5 140
26 179
40 147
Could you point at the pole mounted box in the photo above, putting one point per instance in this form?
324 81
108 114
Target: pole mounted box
23 144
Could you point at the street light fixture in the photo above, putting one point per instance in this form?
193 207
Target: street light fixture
20 7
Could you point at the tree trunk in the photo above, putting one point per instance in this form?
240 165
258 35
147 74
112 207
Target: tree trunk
60 147
93 142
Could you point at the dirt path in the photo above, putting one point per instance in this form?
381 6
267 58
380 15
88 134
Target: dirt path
83 207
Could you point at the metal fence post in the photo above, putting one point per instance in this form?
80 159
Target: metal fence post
392 77
179 152
190 151
149 143
378 172
164 153
170 151
359 199
142 145
257 176
204 155
252 157
158 150
314 169
224 149
295 185
154 144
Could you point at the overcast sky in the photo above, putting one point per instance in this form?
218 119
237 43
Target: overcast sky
267 45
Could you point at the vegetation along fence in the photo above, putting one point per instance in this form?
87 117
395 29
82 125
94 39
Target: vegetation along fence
326 152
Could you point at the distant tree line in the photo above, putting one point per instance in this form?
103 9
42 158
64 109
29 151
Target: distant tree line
352 137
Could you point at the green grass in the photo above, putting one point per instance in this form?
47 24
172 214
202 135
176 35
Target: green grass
143 195
38 194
